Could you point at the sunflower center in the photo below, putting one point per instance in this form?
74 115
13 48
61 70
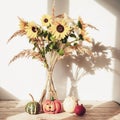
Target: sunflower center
34 29
45 20
60 28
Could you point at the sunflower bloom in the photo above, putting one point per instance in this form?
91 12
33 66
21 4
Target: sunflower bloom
46 20
60 29
31 30
22 24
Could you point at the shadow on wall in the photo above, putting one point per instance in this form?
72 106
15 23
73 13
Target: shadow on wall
85 64
114 7
5 95
76 67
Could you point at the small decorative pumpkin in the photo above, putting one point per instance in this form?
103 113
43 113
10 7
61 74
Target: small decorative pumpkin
69 104
32 107
80 110
52 106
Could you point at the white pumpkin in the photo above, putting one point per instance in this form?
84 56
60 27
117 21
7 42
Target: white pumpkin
69 104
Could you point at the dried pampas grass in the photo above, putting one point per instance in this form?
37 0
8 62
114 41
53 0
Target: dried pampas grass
19 32
27 53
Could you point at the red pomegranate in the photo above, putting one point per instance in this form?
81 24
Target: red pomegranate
80 110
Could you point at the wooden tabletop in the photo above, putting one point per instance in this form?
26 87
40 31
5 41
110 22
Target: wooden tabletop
95 110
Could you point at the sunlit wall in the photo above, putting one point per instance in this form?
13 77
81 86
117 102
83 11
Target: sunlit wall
26 76
100 85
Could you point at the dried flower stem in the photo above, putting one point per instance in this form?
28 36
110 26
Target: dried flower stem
19 32
91 26
53 8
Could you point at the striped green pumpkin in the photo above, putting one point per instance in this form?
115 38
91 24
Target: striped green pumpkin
32 107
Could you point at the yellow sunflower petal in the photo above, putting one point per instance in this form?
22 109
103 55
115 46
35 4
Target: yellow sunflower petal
60 29
46 20
31 30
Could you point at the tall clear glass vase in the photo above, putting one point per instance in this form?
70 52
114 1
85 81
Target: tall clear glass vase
49 90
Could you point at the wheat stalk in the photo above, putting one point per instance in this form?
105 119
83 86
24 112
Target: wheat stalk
19 32
27 53
91 26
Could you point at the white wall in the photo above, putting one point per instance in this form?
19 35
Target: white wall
28 76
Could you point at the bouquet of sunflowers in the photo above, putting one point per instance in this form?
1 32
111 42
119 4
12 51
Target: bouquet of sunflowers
53 39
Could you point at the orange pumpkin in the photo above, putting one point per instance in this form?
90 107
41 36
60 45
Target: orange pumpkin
52 106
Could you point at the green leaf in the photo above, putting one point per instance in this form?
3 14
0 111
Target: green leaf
64 40
34 47
45 33
75 44
42 52
73 35
49 36
47 49
79 24
40 32
33 57
68 44
56 46
51 45
52 38
81 37
45 65
30 40
61 52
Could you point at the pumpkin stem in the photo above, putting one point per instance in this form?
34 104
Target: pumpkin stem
52 98
77 102
31 97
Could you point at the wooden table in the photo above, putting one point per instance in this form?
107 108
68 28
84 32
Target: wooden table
96 110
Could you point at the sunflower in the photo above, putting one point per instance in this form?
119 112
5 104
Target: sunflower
46 20
60 29
31 30
22 24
